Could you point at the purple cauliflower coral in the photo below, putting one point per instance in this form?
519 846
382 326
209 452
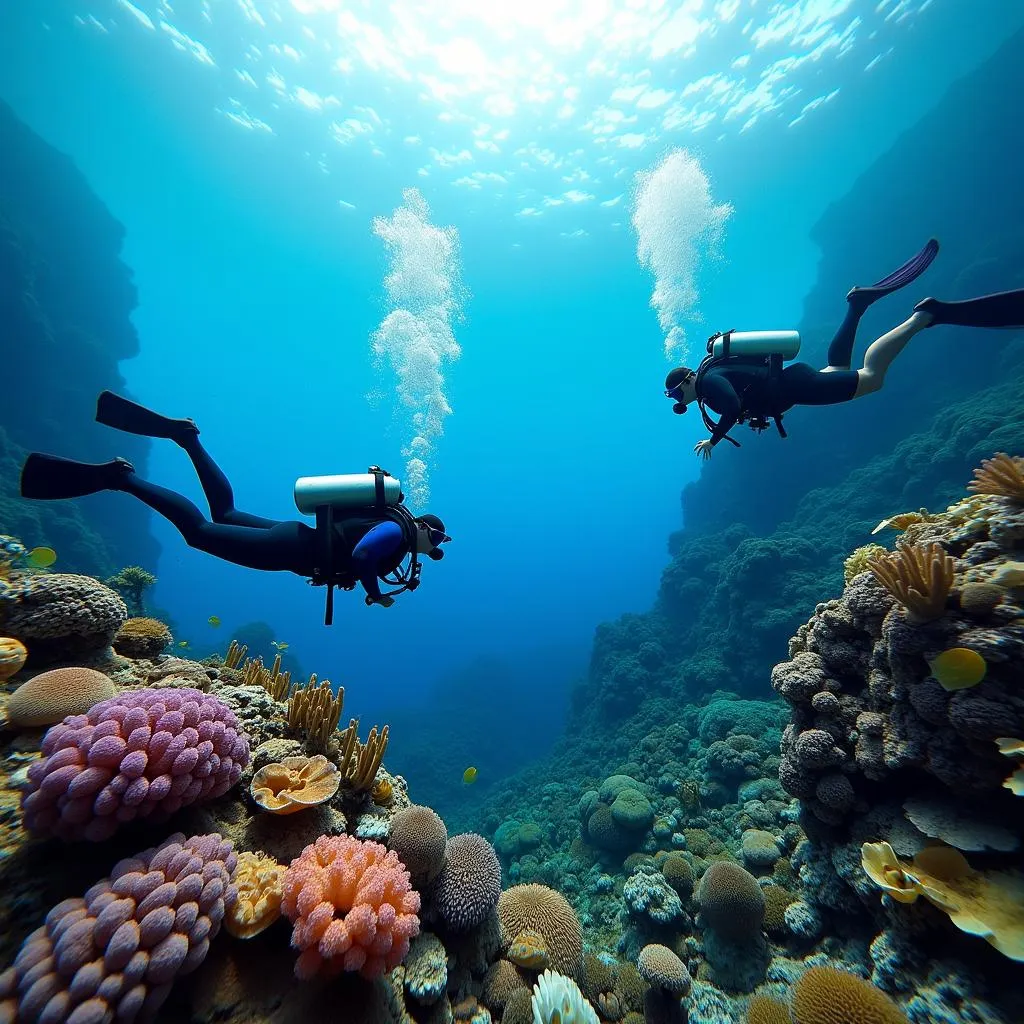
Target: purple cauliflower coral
114 953
142 754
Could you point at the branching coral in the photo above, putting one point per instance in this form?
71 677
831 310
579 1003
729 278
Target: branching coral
277 683
1002 475
919 576
359 762
314 710
131 583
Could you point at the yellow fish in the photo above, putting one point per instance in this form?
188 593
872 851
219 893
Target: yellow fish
279 646
958 668
214 621
183 643
469 776
41 558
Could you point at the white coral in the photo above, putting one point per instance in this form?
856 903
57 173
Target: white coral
558 1000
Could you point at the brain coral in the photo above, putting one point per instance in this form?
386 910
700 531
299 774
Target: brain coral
661 967
767 1010
544 910
731 902
419 838
143 754
57 615
760 848
116 951
352 907
468 887
50 696
142 638
827 996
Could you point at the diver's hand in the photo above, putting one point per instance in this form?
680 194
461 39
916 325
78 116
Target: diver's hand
703 448
387 602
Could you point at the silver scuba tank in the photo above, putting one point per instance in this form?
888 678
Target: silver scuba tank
349 490
757 343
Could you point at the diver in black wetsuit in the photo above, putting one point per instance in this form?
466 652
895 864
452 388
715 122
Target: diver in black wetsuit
742 388
364 544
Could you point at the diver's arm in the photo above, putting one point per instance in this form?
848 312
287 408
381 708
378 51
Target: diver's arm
375 545
720 395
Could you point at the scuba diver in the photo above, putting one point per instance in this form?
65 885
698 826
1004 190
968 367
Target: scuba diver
742 377
363 533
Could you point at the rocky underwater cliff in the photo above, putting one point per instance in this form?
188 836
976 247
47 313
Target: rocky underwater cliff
65 306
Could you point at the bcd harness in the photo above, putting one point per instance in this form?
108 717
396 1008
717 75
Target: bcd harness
773 364
327 522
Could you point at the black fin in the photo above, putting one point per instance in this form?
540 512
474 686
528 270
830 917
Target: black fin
999 310
121 414
47 477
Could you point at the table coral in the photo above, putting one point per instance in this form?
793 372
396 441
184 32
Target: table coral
352 907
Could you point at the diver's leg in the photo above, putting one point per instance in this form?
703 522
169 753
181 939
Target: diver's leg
859 299
282 546
217 487
1003 309
123 414
882 351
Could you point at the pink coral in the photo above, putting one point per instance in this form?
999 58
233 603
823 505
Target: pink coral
142 754
114 953
352 906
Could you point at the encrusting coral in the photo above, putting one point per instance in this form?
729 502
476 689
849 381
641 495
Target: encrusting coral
295 783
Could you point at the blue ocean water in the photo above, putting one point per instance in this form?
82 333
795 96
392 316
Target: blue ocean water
465 242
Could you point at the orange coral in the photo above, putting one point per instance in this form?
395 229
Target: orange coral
258 906
352 906
1002 474
295 783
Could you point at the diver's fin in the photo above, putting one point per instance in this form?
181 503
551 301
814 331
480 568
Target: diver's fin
899 278
122 414
49 476
1002 309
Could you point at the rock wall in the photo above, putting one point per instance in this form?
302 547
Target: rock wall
65 323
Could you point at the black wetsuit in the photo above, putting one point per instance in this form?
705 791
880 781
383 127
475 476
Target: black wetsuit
366 546
745 386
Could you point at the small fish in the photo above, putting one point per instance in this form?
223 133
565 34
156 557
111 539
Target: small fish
280 646
214 621
41 558
469 776
958 668
183 643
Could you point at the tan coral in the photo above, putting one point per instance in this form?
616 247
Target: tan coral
919 576
883 867
528 949
12 657
258 878
1002 474
902 521
47 698
987 904
295 783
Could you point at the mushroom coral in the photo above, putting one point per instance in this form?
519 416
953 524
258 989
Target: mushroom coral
987 904
294 783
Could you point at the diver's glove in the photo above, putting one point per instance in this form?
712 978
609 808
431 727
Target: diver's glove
384 600
703 448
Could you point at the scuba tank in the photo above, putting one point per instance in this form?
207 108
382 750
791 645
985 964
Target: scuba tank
350 490
771 348
785 344
329 498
